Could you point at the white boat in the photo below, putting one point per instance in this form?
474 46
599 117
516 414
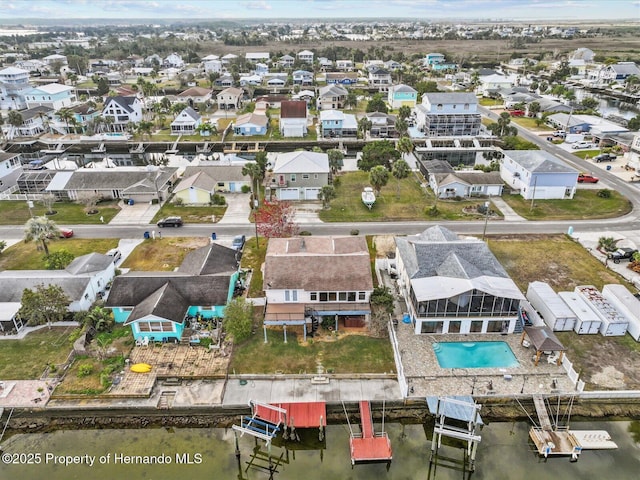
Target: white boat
368 197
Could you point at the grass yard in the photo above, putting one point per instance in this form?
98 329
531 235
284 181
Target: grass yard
341 354
530 124
27 359
585 154
253 258
162 254
586 204
413 204
191 214
26 256
17 212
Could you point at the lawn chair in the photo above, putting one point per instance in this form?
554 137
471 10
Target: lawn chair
553 358
145 341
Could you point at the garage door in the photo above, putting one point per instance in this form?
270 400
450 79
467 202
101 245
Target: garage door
311 193
288 194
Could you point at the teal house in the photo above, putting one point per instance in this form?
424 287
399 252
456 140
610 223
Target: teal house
158 305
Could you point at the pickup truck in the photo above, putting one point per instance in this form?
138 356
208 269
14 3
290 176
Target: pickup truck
623 253
559 133
583 144
604 157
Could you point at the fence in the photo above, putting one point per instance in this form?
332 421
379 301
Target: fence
402 380
572 374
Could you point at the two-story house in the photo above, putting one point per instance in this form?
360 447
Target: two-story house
383 125
331 97
286 61
120 111
302 77
344 65
305 56
455 285
293 118
380 78
618 72
35 121
14 84
299 175
400 95
310 279
336 124
173 60
537 174
186 123
230 98
10 170
448 114
53 95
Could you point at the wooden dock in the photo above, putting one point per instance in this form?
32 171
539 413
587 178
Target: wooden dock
369 447
555 442
543 415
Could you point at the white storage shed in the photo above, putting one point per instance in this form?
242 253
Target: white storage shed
553 310
587 321
621 298
614 324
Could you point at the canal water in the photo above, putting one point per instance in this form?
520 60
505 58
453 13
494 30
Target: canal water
609 105
193 454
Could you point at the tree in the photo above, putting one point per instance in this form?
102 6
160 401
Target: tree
100 318
634 123
336 160
351 99
238 319
275 219
534 109
48 199
400 170
327 193
401 126
364 125
89 200
14 118
40 229
378 178
426 87
43 305
377 104
3 245
262 160
252 170
382 308
380 152
405 145
590 103
404 112
59 260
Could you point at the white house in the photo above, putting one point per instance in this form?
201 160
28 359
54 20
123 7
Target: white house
173 60
305 56
494 83
448 114
121 111
230 98
466 184
10 170
186 123
538 174
293 118
14 83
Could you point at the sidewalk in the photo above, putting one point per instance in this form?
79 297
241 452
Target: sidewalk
508 212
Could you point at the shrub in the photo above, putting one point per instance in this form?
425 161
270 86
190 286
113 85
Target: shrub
85 370
206 342
59 260
178 201
305 233
607 244
432 211
246 188
217 199
604 193
355 232
336 181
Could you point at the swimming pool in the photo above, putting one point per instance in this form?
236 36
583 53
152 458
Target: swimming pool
474 355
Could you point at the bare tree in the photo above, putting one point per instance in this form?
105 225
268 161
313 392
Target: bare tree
89 200
48 199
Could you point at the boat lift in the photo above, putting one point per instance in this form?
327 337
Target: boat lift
258 427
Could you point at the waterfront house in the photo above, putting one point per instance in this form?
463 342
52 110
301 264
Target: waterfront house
293 118
448 114
331 97
299 175
251 124
158 305
224 81
379 77
306 56
14 84
53 95
230 98
194 95
344 65
383 125
431 59
34 122
342 78
121 111
186 123
84 113
538 174
400 95
618 72
337 124
302 77
311 279
454 285
10 170
286 61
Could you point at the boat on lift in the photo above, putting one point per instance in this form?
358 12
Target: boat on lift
368 197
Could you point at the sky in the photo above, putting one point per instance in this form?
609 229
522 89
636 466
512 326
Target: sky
286 9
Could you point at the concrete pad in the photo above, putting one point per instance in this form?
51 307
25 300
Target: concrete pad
238 209
206 392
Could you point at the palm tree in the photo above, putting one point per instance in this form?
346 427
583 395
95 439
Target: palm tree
15 120
327 193
401 126
400 170
65 115
378 178
336 158
404 145
253 171
364 125
40 229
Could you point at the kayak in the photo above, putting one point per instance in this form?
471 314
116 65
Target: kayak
141 368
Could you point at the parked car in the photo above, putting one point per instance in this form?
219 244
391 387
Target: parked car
517 113
170 222
584 178
604 157
623 253
238 242
66 233
115 253
559 133
582 144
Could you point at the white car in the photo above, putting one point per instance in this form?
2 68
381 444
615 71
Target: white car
115 253
579 145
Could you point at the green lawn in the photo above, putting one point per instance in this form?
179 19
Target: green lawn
586 204
164 254
530 124
191 214
27 359
346 354
17 212
585 154
413 204
253 258
26 256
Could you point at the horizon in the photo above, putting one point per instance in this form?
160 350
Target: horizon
18 11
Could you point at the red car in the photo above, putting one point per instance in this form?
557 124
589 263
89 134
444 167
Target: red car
582 178
517 113
66 233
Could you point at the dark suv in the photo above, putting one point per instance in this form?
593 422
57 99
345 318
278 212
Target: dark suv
170 222
604 157
622 254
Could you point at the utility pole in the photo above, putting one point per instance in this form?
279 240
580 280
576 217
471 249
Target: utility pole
533 197
486 219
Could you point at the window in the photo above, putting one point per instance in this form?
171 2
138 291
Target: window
466 106
323 296
333 296
290 295
305 176
439 107
293 177
313 296
315 175
362 295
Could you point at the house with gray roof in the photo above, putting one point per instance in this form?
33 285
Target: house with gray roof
466 184
158 305
228 178
195 189
537 174
456 285
186 123
299 175
120 111
448 114
83 281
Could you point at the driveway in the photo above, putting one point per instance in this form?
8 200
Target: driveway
139 213
238 209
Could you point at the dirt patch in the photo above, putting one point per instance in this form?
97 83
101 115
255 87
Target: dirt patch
609 377
385 245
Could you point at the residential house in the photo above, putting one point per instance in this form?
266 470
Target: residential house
261 69
256 57
305 56
582 53
270 101
392 65
83 281
344 65
311 279
383 125
230 98
455 285
224 81
448 114
276 82
213 66
325 63
592 124
306 95
120 111
35 121
158 305
380 77
10 170
251 124
549 105
433 59
55 58
14 84
33 66
173 60
302 77
466 184
342 78
195 189
331 97
228 58
227 177
299 175
400 95
194 95
492 84
186 123
537 174
337 124
53 95
617 72
286 61
250 80
293 118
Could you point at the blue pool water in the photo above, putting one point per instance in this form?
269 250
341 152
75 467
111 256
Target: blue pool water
474 355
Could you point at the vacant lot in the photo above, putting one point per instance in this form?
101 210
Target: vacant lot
17 213
191 214
162 254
